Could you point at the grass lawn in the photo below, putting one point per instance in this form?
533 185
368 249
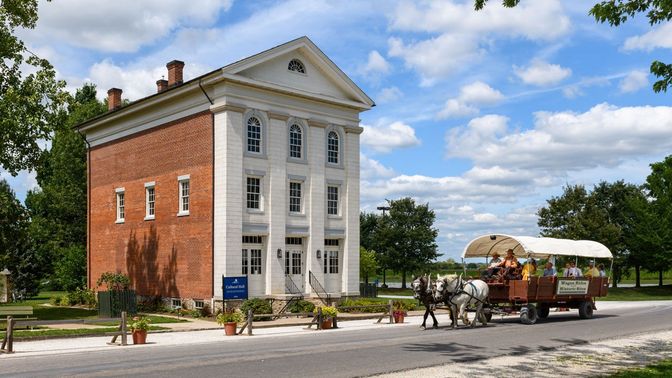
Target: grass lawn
646 293
661 369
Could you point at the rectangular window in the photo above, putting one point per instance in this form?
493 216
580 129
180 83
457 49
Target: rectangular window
184 196
331 242
254 193
251 239
121 207
287 263
294 197
244 261
326 261
333 262
150 196
296 262
176 303
332 200
255 261
198 304
293 241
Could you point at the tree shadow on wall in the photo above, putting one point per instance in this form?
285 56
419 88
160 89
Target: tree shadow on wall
150 271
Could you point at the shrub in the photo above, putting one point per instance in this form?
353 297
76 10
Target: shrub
408 305
205 310
229 317
258 306
152 303
301 306
327 311
55 300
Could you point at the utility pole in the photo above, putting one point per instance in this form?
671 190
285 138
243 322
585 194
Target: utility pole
383 209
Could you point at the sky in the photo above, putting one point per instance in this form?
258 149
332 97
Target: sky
482 115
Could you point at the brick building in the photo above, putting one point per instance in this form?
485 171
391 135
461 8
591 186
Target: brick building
249 170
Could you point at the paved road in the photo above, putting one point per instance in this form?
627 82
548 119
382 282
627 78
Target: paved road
348 353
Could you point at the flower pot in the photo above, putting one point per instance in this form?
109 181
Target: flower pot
230 328
326 324
398 318
139 336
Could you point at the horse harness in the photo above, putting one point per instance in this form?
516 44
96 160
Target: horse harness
460 290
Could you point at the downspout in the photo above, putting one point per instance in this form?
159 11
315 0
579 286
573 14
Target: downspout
88 208
205 93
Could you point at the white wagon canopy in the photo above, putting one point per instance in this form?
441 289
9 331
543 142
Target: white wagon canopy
537 247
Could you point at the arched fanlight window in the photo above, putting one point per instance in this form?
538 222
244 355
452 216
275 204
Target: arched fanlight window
295 141
254 135
296 66
332 147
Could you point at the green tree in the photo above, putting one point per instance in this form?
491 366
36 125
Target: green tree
598 216
29 102
368 265
407 236
15 252
58 207
616 12
367 229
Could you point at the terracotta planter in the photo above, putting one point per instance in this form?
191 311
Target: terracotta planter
326 324
230 328
139 336
398 317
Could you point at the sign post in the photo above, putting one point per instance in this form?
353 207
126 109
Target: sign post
234 287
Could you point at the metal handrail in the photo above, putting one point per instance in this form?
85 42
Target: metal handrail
290 286
319 289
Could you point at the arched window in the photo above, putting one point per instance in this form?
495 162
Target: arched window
295 141
332 147
254 135
296 66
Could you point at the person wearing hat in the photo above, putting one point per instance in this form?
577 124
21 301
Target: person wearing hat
510 261
592 270
493 267
530 268
495 261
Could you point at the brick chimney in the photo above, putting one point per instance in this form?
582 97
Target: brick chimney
113 99
175 72
161 85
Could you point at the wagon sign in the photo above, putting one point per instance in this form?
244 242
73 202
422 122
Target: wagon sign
572 287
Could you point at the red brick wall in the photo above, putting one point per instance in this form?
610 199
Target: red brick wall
170 256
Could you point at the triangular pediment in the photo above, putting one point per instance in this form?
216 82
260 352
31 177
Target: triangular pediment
321 76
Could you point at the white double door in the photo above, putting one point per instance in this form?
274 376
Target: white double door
294 266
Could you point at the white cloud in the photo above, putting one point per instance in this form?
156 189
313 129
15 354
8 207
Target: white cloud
376 64
477 93
603 136
541 73
389 94
122 25
23 182
459 36
572 91
371 169
385 138
660 37
634 81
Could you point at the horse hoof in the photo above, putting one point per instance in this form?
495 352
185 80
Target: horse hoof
435 326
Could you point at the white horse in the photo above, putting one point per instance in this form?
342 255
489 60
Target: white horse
462 294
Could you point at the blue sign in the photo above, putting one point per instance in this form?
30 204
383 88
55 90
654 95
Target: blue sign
235 287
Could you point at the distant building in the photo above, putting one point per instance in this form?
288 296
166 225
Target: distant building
249 170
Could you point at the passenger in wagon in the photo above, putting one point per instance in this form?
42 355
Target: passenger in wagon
592 270
511 266
530 268
493 267
602 272
549 270
573 271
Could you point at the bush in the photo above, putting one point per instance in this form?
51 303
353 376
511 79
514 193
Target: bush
205 310
151 304
258 306
408 304
55 300
80 297
230 317
301 306
327 311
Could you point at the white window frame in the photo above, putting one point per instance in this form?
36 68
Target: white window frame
260 194
150 211
180 195
120 201
339 148
289 196
338 200
262 134
300 64
199 304
302 141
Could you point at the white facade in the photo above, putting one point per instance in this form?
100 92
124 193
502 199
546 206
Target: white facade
292 243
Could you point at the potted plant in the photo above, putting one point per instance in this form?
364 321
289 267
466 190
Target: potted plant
398 311
229 319
328 314
139 327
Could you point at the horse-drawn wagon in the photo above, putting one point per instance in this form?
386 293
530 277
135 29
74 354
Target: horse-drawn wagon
534 296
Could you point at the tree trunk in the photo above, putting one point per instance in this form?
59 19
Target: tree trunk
366 279
615 274
660 278
637 276
403 279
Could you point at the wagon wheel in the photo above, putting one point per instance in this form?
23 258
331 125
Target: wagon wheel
586 310
543 311
528 314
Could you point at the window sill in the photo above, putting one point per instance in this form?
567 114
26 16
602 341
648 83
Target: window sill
297 161
255 211
335 216
119 221
332 165
183 214
298 215
149 217
254 155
